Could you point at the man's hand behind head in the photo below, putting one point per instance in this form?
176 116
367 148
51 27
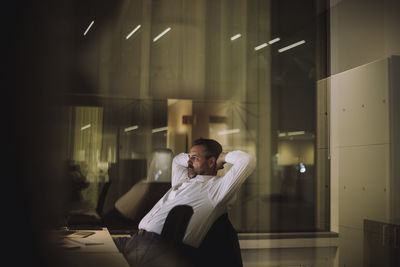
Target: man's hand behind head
221 161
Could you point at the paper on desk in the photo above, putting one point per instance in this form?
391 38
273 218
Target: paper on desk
80 234
85 238
83 241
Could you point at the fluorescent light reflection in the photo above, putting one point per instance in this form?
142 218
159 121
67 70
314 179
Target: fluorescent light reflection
302 167
291 46
233 131
236 36
161 34
261 46
132 32
86 127
296 133
88 28
274 40
283 134
161 129
131 128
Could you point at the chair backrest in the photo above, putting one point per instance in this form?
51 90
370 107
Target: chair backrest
220 247
176 223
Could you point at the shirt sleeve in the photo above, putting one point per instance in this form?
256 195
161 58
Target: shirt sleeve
179 168
225 187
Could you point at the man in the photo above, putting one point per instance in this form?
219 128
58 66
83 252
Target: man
194 184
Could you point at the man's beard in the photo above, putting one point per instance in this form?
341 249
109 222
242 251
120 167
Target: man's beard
191 172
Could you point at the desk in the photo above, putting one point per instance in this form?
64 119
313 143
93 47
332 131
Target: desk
97 250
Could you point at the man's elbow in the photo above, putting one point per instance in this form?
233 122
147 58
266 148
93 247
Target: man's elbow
244 159
251 162
248 160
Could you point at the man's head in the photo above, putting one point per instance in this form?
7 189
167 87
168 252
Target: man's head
203 157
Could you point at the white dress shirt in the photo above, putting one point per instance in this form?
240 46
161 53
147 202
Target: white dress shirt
207 195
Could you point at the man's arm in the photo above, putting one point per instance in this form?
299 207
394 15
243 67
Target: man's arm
243 165
179 168
221 160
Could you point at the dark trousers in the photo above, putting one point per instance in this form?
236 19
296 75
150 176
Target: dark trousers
150 250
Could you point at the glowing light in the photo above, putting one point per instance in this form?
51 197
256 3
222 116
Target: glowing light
291 46
296 133
261 46
283 134
233 131
236 36
274 40
302 168
86 127
161 34
88 28
132 32
131 128
161 129
157 175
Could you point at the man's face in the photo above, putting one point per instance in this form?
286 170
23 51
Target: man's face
197 162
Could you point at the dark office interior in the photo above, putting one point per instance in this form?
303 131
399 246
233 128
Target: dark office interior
326 175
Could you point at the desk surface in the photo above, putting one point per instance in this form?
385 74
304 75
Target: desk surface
95 260
97 249
100 241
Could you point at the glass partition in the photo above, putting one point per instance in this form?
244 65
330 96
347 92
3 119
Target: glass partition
159 74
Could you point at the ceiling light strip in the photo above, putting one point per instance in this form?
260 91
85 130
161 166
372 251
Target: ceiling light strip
229 132
88 28
236 36
261 46
86 127
161 129
132 32
296 133
161 34
131 128
291 46
274 40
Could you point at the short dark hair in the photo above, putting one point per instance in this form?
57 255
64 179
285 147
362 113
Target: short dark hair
212 147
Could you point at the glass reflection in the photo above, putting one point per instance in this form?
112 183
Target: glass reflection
160 74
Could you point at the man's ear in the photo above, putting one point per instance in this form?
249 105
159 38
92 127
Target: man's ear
212 162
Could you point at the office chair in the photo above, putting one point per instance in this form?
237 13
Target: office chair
176 224
220 247
174 229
